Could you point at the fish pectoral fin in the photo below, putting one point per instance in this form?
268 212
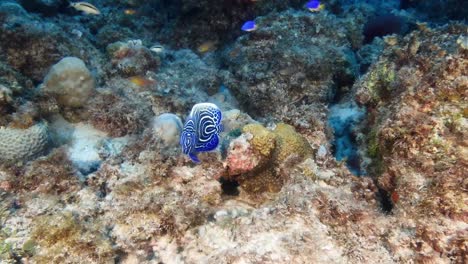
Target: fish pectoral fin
194 158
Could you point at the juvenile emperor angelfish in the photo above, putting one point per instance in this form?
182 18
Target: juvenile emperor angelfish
201 130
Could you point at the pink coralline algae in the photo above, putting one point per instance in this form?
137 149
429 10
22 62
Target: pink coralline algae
241 157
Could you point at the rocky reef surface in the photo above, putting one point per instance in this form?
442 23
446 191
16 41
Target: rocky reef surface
344 140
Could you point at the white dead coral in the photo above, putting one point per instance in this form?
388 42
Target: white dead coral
18 145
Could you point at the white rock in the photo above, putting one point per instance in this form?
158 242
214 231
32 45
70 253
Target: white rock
85 145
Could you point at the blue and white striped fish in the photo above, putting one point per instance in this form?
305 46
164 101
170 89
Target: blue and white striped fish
201 130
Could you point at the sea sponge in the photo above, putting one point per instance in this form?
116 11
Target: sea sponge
70 82
242 157
23 144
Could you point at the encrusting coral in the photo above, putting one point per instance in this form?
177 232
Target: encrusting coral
255 158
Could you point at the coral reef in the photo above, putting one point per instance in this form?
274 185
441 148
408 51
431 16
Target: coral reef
31 46
46 176
5 99
341 143
185 75
64 238
214 20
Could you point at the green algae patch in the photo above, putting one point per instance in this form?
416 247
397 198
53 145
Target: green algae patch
379 81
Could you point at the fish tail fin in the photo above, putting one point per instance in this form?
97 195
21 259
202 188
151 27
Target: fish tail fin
194 157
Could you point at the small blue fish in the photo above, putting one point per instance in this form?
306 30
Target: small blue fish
249 26
201 130
314 5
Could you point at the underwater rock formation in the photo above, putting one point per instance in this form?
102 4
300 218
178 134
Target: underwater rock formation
268 74
118 116
214 20
186 79
416 99
14 80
